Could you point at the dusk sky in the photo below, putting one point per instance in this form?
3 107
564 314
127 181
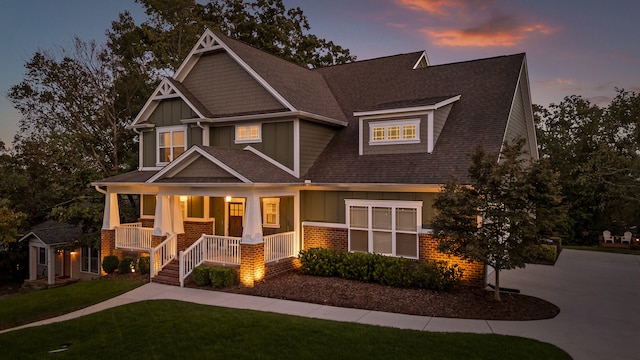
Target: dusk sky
585 48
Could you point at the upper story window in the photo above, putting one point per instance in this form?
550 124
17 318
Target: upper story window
248 133
394 132
172 141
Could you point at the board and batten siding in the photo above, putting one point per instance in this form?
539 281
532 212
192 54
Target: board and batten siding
329 206
170 112
314 138
224 87
277 140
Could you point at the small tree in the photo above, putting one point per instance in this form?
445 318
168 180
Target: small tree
494 219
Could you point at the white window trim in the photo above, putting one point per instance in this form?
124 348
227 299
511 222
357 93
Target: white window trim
265 202
248 140
393 204
88 271
44 258
205 213
170 129
400 123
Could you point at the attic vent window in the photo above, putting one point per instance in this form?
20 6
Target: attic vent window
248 133
394 132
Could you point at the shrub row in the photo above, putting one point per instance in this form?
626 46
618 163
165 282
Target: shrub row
392 271
218 276
111 263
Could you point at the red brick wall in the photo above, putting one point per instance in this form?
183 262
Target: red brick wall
252 266
330 238
472 272
108 246
275 268
146 222
192 232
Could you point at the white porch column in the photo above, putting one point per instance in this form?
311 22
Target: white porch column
178 221
51 265
252 231
162 220
33 262
111 216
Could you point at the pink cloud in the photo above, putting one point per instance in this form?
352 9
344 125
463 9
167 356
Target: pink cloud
443 7
502 31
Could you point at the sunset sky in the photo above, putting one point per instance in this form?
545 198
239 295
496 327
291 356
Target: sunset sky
587 48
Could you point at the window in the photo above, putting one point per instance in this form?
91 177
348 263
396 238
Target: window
271 212
148 206
384 227
248 133
42 256
171 143
394 132
90 260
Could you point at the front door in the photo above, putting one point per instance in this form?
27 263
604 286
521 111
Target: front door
236 213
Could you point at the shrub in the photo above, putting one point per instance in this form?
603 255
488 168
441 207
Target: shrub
319 262
110 264
398 272
126 265
221 276
437 275
357 266
143 265
544 254
200 275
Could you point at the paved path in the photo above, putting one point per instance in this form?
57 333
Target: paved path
598 294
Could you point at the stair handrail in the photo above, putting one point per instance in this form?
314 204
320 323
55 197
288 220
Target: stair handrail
162 254
190 258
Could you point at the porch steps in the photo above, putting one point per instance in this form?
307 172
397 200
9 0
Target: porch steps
169 275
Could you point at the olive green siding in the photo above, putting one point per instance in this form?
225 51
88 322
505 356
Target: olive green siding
286 216
390 148
439 118
277 141
216 211
329 206
148 148
194 136
314 138
224 87
170 112
203 167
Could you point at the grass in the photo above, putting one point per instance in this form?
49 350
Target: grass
166 329
602 249
25 308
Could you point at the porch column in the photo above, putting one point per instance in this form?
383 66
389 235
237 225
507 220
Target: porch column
51 265
111 216
252 266
162 219
33 263
252 231
178 221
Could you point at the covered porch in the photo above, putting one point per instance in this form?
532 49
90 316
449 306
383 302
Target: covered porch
191 226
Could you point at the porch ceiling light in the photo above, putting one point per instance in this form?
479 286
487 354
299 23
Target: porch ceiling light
183 198
227 198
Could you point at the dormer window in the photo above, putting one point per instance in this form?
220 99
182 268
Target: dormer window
172 141
248 133
394 132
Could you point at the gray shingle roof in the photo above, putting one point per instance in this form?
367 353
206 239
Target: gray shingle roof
250 165
52 232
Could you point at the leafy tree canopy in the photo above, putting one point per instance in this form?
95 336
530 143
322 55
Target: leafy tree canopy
511 202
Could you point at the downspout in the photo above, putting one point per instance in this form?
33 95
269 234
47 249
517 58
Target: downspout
98 189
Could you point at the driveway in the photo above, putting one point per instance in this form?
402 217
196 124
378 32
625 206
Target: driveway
599 299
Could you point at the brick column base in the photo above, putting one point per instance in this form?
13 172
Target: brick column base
252 267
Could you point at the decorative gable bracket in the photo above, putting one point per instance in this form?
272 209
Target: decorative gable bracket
207 43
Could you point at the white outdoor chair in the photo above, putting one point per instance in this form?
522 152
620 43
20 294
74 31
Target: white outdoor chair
606 236
626 238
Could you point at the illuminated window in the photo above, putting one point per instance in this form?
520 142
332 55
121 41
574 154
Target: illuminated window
248 133
271 212
395 132
384 227
171 143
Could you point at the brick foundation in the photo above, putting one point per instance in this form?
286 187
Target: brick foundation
252 267
275 268
337 239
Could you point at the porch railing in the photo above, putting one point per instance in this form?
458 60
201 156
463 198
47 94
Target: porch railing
133 236
162 254
213 248
280 246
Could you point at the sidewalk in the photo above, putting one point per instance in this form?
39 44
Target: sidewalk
598 294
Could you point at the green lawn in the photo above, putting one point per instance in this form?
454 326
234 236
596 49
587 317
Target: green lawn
25 308
602 249
168 329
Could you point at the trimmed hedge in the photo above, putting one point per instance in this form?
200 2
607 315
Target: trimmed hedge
143 265
221 276
110 264
386 270
126 265
200 275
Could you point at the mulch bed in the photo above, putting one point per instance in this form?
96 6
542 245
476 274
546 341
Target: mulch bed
461 302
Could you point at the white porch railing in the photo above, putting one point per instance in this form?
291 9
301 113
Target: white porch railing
280 246
162 254
133 236
213 248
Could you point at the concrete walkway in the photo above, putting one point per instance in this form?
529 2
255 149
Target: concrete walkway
598 294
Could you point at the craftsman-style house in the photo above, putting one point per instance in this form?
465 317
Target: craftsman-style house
245 158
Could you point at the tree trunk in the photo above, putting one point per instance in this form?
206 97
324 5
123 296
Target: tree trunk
496 290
